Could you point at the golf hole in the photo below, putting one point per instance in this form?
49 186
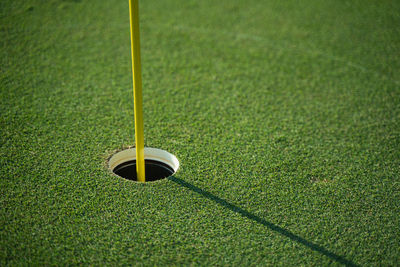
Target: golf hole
159 164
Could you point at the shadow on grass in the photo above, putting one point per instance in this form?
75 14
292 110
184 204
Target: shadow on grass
259 220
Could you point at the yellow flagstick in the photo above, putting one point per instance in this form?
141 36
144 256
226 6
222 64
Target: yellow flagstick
137 88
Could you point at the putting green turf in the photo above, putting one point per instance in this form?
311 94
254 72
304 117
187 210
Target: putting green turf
284 115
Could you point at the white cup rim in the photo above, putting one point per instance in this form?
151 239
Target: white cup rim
149 153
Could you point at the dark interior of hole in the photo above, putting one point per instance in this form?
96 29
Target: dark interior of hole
154 170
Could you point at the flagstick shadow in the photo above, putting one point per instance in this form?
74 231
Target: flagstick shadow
259 220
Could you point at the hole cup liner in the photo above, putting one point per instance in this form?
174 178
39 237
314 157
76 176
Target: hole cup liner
149 153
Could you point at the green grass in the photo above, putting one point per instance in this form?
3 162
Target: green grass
285 116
